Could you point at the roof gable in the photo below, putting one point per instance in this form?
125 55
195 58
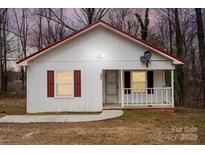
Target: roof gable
174 58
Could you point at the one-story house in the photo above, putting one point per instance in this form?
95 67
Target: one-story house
96 68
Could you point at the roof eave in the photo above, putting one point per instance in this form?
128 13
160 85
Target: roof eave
177 62
24 63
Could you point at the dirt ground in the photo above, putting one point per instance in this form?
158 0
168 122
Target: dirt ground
182 126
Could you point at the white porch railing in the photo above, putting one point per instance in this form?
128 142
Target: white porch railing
148 96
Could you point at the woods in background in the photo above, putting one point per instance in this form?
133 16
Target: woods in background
179 31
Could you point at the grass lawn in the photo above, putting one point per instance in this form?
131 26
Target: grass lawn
182 126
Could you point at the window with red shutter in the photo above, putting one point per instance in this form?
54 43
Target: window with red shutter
50 83
77 83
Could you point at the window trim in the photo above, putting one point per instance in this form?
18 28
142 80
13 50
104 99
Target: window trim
55 85
139 82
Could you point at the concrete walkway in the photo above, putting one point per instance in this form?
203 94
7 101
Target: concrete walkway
106 114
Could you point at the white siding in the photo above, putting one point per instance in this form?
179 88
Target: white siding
81 53
91 87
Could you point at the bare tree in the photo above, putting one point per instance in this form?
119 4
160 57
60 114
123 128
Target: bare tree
165 26
1 45
39 32
124 19
88 16
53 16
22 28
144 23
118 17
179 70
48 28
200 34
189 39
3 49
53 30
170 30
165 36
61 31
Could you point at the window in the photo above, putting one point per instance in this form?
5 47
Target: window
64 83
138 81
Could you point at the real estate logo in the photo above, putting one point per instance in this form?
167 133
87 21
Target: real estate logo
185 133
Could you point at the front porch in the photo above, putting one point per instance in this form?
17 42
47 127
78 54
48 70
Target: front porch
137 90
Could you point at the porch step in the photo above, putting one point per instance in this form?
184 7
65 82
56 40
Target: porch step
108 106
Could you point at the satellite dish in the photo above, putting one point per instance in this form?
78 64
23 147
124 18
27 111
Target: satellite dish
146 58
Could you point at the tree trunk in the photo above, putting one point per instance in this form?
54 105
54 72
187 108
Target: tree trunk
170 31
200 34
23 78
3 50
40 29
5 75
179 68
90 14
1 44
61 27
144 25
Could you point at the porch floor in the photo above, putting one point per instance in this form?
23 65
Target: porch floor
111 106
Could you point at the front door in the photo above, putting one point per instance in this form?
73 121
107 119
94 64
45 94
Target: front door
111 86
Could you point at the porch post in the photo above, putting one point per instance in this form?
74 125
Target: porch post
122 88
172 86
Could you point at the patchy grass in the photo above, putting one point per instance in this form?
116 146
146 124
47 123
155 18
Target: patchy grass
134 127
12 106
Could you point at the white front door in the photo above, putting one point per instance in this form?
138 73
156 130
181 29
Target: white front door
111 86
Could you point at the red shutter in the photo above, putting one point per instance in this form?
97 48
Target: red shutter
50 83
77 83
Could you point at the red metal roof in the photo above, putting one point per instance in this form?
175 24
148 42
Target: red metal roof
111 26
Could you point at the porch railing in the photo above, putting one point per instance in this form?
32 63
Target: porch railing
147 96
